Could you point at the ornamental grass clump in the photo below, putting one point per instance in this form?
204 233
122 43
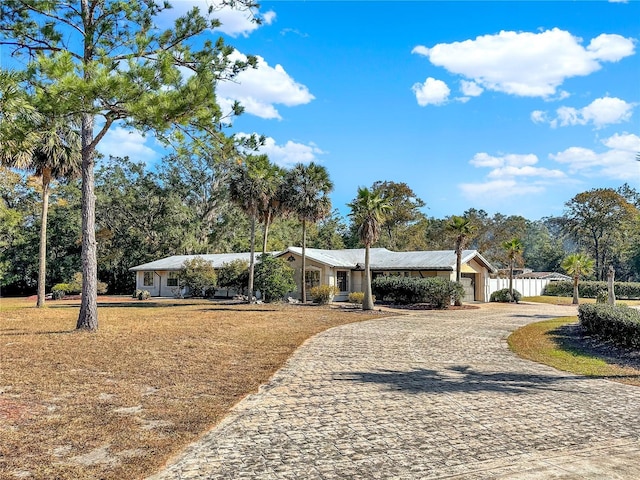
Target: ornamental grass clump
357 298
322 294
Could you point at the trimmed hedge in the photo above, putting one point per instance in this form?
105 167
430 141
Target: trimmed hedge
620 324
628 290
504 296
438 292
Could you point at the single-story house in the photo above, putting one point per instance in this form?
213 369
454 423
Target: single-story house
343 269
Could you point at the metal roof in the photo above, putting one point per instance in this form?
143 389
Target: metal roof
177 261
381 259
544 275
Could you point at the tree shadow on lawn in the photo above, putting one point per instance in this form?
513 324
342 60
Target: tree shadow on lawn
537 316
573 339
422 380
139 304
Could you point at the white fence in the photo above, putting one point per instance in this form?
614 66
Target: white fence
528 287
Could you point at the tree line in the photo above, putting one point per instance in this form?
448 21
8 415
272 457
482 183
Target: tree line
187 206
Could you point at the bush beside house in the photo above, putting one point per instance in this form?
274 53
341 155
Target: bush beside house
273 278
438 292
504 296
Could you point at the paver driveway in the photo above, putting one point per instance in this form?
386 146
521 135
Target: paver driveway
431 395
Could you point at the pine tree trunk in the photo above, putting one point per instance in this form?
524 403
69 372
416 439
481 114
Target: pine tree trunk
88 318
367 302
252 257
42 258
303 283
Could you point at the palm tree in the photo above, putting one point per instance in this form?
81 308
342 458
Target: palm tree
514 249
577 265
274 206
252 183
44 144
463 229
368 213
305 193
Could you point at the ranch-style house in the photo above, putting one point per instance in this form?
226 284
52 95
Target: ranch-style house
343 269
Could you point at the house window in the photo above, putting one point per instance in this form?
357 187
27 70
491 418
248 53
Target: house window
148 279
172 279
342 281
312 278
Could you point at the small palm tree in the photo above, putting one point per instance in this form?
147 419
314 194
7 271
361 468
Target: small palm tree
252 183
47 145
368 213
514 249
463 229
577 265
305 195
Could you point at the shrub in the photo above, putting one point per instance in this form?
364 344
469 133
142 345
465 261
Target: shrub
438 292
198 276
504 296
142 294
102 288
602 296
274 278
75 285
628 290
59 290
619 324
235 275
356 298
322 294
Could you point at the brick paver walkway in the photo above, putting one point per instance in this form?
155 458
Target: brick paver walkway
431 395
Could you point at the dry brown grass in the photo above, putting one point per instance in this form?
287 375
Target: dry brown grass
118 403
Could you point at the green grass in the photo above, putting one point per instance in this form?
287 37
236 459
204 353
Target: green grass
567 300
558 343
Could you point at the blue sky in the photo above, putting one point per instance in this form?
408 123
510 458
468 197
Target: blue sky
512 107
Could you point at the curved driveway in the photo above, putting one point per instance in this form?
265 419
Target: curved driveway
429 395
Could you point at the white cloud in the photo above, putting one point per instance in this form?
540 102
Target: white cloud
538 116
510 175
431 92
260 89
511 160
510 171
600 113
524 63
471 89
235 21
290 153
120 142
498 189
618 162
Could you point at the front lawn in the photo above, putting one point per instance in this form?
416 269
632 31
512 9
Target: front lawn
560 343
118 403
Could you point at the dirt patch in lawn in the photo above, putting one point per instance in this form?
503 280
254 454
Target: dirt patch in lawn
116 404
